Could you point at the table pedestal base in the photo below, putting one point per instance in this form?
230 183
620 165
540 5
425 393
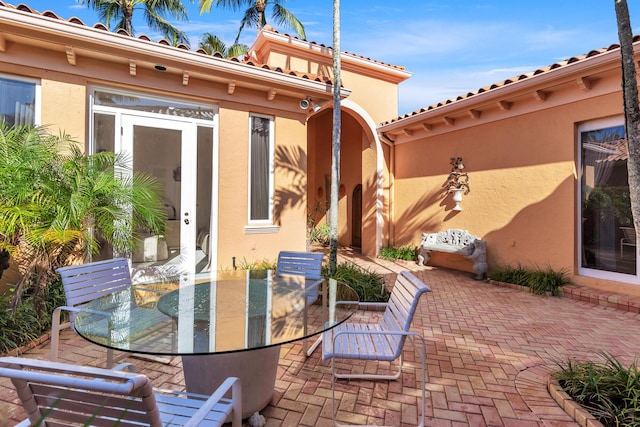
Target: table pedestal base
255 368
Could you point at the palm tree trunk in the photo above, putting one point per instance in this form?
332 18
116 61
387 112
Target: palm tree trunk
631 108
261 5
335 158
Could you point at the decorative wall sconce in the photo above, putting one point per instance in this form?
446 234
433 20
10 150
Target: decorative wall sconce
457 182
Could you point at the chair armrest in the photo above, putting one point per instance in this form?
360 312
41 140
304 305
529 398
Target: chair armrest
66 308
337 334
232 383
129 367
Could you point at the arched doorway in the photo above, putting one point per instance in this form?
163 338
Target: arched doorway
356 217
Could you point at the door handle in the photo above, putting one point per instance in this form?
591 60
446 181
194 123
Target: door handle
186 220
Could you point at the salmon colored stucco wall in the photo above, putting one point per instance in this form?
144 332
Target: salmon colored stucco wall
522 175
379 98
234 241
64 108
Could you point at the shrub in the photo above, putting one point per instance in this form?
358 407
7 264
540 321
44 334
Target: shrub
406 253
320 234
22 325
539 281
368 285
609 391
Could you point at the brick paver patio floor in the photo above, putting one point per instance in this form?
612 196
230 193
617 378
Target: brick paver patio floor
490 350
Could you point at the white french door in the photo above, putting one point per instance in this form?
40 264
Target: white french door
167 149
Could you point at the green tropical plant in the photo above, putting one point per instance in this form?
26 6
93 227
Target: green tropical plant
211 44
319 234
57 209
154 12
406 253
368 285
254 15
538 280
23 325
609 391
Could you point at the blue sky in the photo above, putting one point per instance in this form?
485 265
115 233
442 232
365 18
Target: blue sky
451 46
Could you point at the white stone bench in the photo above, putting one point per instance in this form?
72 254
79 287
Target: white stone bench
455 241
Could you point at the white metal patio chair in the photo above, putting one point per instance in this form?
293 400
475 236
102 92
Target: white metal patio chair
60 394
86 282
309 265
383 341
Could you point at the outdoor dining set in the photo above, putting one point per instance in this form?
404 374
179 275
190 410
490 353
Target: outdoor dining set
227 327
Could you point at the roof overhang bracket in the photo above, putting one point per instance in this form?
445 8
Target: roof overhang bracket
71 55
133 69
231 87
185 78
584 84
540 95
271 94
3 44
504 105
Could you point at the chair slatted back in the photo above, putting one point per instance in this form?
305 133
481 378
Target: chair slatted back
402 306
86 282
308 264
55 394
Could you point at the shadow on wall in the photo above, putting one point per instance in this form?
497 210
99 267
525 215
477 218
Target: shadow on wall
542 234
292 163
409 226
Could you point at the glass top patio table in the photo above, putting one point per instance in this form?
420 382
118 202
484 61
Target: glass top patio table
227 312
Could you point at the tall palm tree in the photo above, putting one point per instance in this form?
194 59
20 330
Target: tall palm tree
211 44
155 12
631 107
254 16
56 209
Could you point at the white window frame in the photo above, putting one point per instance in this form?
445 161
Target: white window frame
585 271
258 226
37 114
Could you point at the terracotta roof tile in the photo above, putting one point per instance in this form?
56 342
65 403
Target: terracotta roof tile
398 67
100 26
533 73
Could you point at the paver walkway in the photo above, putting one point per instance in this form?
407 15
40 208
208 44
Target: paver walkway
490 350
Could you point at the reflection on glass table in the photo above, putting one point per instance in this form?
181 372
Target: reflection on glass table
213 321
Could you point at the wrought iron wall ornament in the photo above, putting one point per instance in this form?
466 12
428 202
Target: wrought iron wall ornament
457 179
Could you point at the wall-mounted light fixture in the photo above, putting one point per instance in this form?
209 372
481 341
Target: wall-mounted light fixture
457 182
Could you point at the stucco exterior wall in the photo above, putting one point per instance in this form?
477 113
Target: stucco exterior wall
523 180
64 108
290 191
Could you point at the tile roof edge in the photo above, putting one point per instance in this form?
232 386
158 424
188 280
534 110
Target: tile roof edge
492 87
163 42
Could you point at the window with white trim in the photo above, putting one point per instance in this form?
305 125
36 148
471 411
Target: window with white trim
260 170
17 101
607 236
